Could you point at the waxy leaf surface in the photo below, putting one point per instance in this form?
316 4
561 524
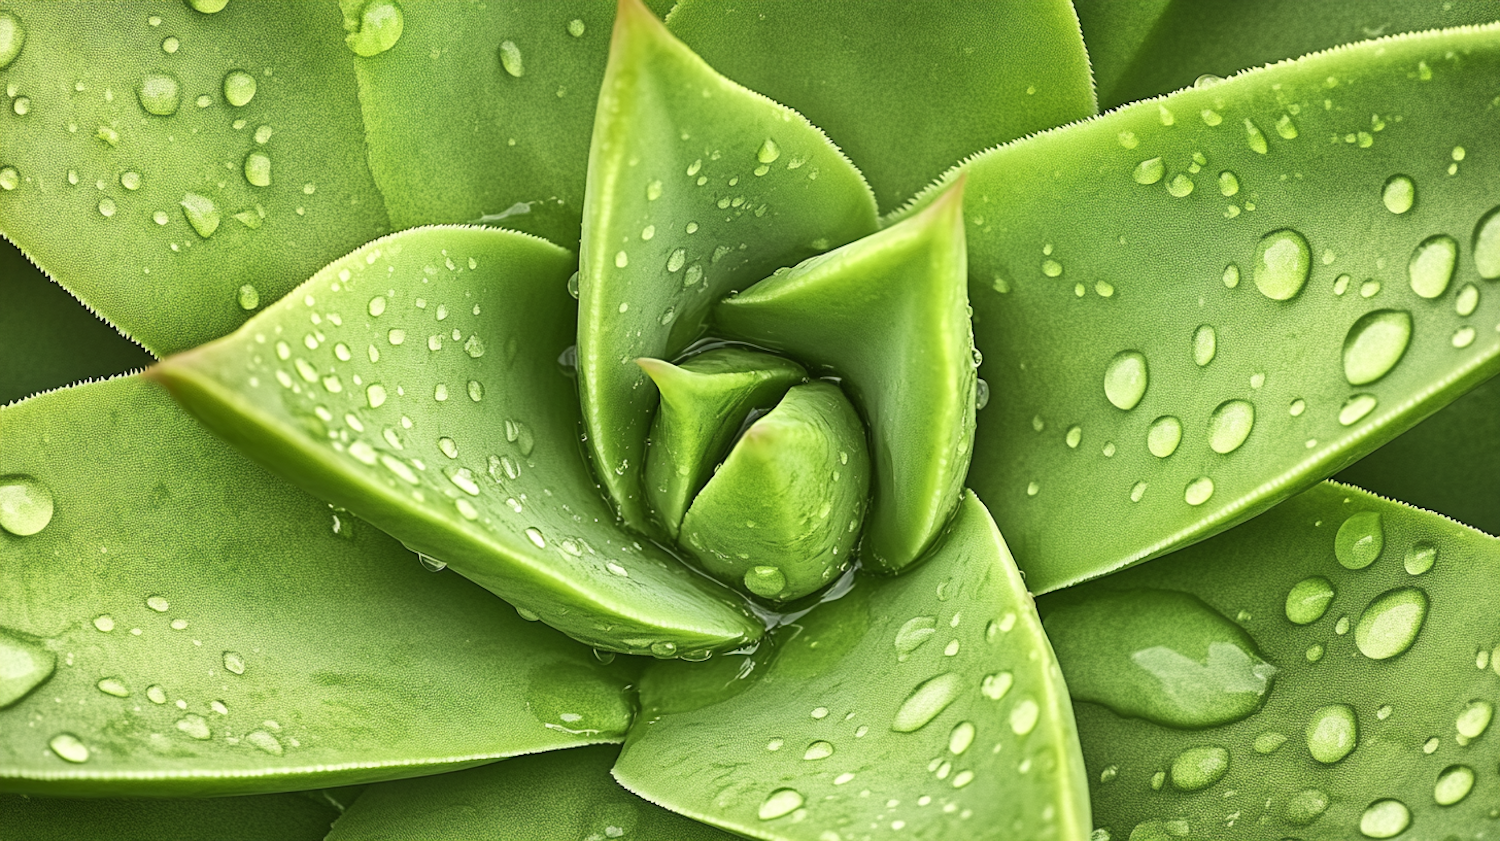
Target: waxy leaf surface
213 630
145 191
696 186
1378 720
924 706
565 794
302 816
905 90
417 383
1268 278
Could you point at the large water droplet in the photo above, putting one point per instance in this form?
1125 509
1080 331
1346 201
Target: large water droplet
1160 655
1332 733
69 748
1308 600
768 152
1453 785
1164 436
376 29
1125 379
1385 819
1391 622
1374 344
160 94
24 666
926 702
1149 171
1205 344
1486 244
12 38
1432 264
1198 768
258 169
25 504
510 59
1230 425
1255 138
1420 557
818 750
1474 720
780 803
201 213
1282 263
913 634
1398 194
239 88
1359 540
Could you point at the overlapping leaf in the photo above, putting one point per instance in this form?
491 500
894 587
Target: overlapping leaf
199 627
267 817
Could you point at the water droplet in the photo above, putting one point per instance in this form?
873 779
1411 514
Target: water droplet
258 169
1160 655
158 603
265 741
1282 263
1198 491
1198 768
114 686
160 94
1286 128
926 702
12 38
510 59
1180 186
156 693
961 738
1024 717
1269 742
780 803
239 88
207 7
474 347
1432 264
25 504
1231 276
9 178
1149 171
1125 379
1463 337
1230 425
1356 407
24 666
1391 622
1164 436
107 207
195 726
1073 437
1205 344
476 390
1255 138
913 634
263 134
1486 245
69 748
1052 268
662 649
1360 540
1398 194
1305 806
1332 733
1474 720
234 662
1374 344
430 563
1308 600
376 29
201 214
981 394
1453 785
576 28
767 582
535 536
1385 819
768 152
1420 557
249 298
1297 407
818 750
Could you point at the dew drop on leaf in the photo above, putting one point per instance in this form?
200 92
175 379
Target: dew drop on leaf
1374 344
1282 263
1399 194
1360 540
1432 264
1125 379
1391 622
1197 768
26 504
69 748
1308 600
1332 733
160 94
926 702
1385 819
239 88
12 38
375 29
1229 425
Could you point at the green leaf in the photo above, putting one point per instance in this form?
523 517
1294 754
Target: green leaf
696 186
916 390
1449 463
920 706
215 631
1183 346
267 817
416 383
483 112
1352 720
567 794
905 90
1140 50
47 339
156 220
781 515
704 403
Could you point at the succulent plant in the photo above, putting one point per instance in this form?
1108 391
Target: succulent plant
707 351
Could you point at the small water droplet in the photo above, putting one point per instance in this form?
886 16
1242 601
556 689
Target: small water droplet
1197 768
1356 407
768 582
107 207
926 702
1391 622
234 662
1125 379
818 750
69 748
1474 720
510 59
201 213
1024 717
535 536
1231 276
265 741
981 394
780 803
1269 742
1286 128
1374 344
1453 785
1255 138
26 504
1149 171
1463 337
1332 733
474 347
576 28
1420 557
1229 184
239 88
663 649
1360 540
1305 806
1230 425
1398 194
1180 186
1385 819
913 634
1308 600
375 28
1297 407
1282 263
1432 264
961 738
768 152
249 297
1205 344
114 686
1198 491
160 94
1486 244
1073 437
1164 436
476 390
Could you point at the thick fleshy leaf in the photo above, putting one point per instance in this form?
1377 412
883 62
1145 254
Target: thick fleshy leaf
212 630
566 794
416 383
482 112
1449 463
906 89
916 388
781 515
1143 49
266 817
696 186
47 338
1377 619
704 403
132 177
1236 304
927 706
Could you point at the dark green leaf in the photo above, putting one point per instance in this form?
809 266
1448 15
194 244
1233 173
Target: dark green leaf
566 794
416 382
1374 718
216 631
696 186
267 817
907 89
926 706
1185 343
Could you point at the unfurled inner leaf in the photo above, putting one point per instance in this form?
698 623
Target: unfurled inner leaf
1378 721
216 631
417 383
906 90
696 186
924 706
566 794
161 164
915 386
1220 317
